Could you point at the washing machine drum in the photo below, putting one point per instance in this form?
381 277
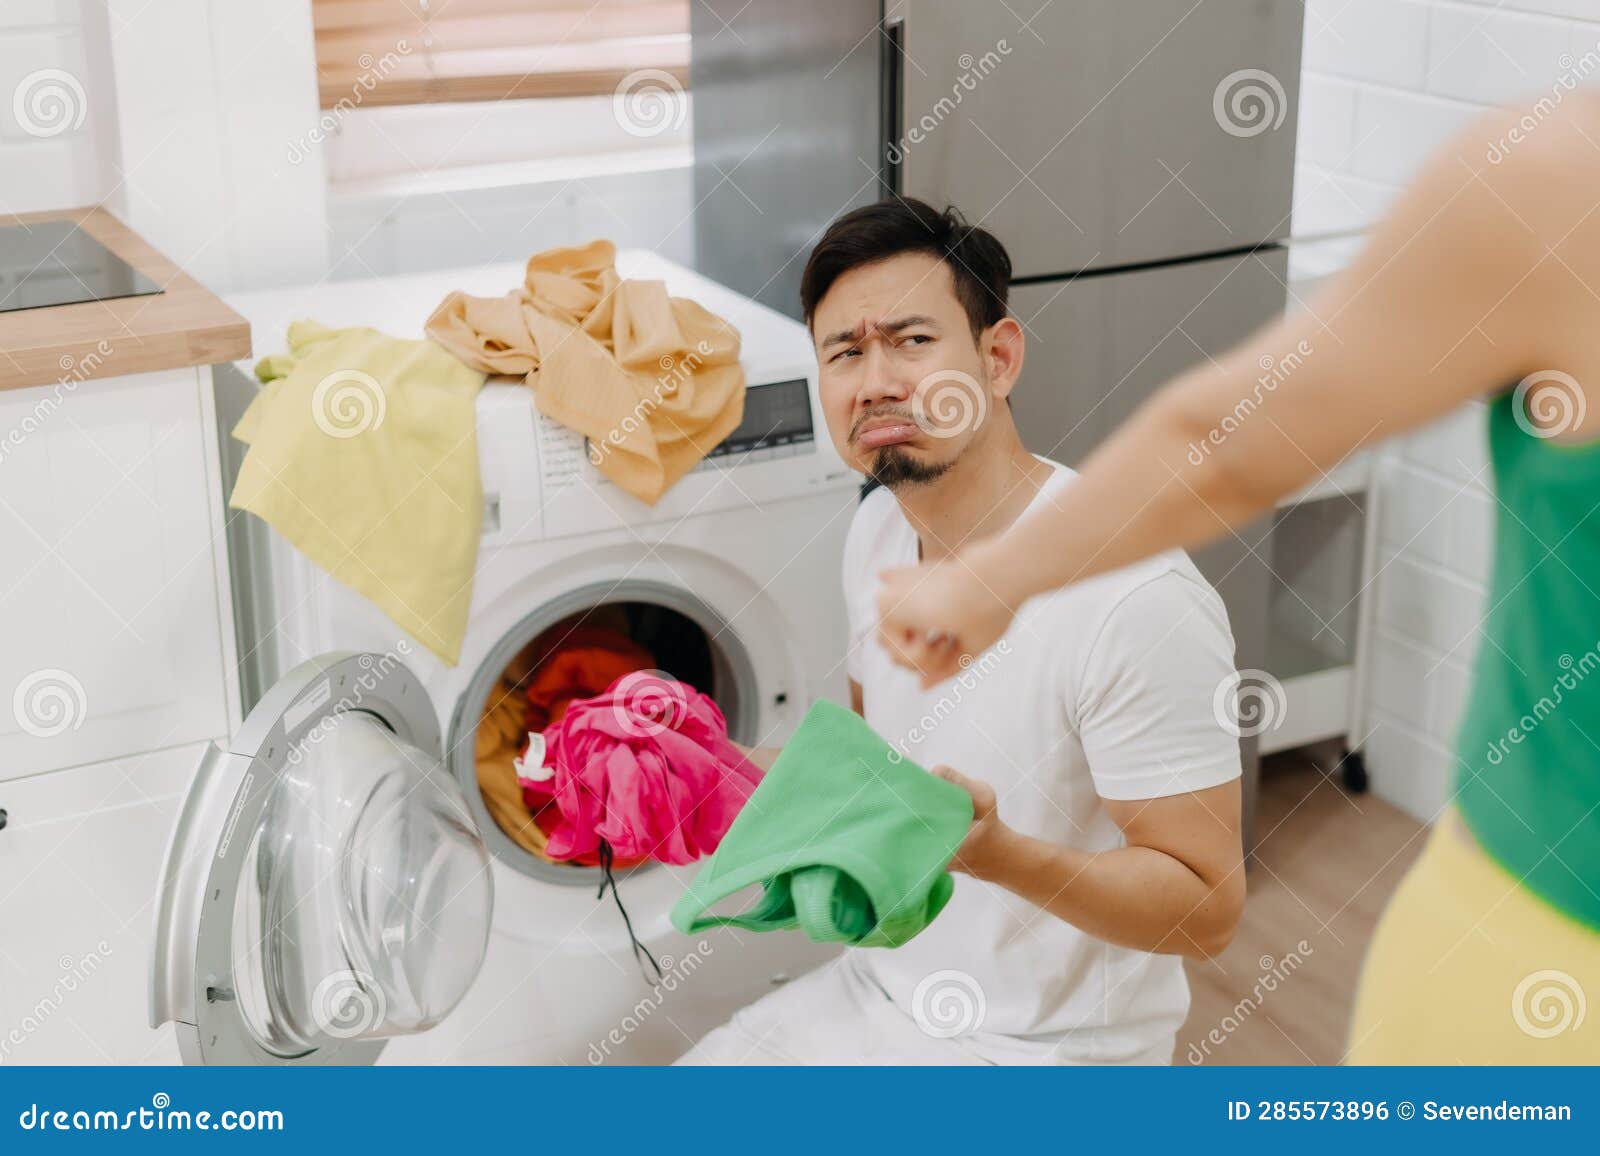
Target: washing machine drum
326 887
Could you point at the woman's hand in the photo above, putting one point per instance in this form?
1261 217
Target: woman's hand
983 849
930 615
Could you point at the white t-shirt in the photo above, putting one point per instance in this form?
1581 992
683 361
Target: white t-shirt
1101 690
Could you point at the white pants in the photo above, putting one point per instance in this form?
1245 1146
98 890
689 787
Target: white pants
833 1015
838 1015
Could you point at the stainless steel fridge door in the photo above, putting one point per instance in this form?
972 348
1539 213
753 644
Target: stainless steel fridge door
1099 345
786 134
1098 133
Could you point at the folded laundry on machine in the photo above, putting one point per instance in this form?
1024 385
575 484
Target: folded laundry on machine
848 839
653 381
645 770
363 453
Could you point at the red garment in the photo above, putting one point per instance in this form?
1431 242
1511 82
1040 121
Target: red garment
577 663
648 767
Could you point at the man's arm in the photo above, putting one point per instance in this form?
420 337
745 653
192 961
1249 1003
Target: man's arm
1176 888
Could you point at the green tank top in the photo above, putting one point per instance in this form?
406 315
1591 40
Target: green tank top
1529 745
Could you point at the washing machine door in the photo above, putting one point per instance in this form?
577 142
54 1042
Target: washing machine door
325 887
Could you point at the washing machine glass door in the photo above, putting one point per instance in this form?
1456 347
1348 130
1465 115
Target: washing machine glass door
326 887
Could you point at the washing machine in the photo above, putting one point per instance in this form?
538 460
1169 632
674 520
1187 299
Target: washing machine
337 886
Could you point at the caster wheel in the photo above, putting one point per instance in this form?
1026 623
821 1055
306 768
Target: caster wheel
1353 768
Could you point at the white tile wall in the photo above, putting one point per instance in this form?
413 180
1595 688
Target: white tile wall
1385 83
62 151
386 235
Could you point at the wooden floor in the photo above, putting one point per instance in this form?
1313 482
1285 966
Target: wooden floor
1325 864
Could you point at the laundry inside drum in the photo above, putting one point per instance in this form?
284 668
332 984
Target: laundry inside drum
577 657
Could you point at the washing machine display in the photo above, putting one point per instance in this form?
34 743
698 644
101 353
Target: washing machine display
776 423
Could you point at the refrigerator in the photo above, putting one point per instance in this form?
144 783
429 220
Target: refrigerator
1136 158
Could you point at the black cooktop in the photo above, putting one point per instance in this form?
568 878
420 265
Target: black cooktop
57 263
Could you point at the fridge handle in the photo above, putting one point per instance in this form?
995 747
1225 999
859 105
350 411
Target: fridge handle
891 46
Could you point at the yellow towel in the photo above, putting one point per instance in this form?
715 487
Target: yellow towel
364 454
653 381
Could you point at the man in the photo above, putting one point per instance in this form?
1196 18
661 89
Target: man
1105 844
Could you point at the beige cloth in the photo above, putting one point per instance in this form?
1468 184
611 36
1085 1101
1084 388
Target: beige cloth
653 381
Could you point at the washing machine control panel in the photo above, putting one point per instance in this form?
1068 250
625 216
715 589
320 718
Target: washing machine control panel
779 451
776 424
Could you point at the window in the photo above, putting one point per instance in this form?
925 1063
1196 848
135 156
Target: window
406 52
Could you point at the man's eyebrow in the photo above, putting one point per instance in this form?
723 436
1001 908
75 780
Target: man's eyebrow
886 327
845 335
900 323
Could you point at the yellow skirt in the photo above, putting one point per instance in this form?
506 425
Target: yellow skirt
1469 967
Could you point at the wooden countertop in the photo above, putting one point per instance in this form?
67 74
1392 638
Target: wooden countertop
186 324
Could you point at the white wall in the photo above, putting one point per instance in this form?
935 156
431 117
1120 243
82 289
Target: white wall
196 121
176 116
1385 81
442 186
210 95
62 152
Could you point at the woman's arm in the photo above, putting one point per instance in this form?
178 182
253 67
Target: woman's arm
1458 293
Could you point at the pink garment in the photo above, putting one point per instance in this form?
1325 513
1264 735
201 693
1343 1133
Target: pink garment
648 767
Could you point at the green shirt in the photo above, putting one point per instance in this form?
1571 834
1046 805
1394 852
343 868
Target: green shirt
1529 746
848 840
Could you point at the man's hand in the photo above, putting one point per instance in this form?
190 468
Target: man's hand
932 614
986 839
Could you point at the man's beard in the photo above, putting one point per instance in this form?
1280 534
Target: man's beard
896 469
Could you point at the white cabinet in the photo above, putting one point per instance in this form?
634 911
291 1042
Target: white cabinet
113 573
80 862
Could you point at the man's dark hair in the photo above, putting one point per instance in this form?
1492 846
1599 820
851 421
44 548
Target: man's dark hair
975 257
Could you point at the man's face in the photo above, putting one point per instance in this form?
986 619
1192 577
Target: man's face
904 386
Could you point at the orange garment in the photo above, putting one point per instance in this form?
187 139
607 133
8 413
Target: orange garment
501 737
653 381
